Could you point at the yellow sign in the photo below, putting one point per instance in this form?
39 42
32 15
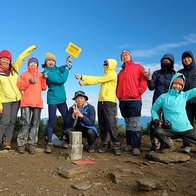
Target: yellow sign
73 50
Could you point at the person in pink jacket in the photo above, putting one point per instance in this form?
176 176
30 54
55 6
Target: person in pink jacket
31 83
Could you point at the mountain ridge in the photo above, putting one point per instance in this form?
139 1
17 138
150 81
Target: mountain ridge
144 120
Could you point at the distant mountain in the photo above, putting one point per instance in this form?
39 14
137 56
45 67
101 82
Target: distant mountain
144 120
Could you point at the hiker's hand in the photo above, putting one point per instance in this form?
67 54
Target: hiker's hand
158 122
78 76
148 75
32 80
81 83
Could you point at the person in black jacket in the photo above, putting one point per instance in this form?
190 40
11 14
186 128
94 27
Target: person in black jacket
159 83
189 71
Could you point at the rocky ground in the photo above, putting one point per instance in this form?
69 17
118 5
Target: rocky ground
56 175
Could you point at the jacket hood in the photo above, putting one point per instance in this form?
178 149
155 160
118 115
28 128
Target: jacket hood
176 76
193 60
170 57
112 66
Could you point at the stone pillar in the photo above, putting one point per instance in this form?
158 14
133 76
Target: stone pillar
75 145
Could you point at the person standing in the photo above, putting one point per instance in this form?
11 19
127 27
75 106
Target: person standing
107 106
189 70
131 85
81 117
56 95
31 83
159 83
10 95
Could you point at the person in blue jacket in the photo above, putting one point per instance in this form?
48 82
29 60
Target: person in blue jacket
159 83
177 124
56 95
81 117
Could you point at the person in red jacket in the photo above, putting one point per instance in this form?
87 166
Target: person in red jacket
131 84
31 83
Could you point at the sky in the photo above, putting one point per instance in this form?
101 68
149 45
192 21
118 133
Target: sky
102 29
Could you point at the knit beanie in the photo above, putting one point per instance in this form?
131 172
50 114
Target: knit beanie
33 59
123 52
179 80
6 54
49 56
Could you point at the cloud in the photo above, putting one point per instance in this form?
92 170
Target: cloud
124 46
190 39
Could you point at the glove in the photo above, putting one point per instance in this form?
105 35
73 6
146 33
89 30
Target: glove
45 75
148 75
68 65
69 58
157 122
32 80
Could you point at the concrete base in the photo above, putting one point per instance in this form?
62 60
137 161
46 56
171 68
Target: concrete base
75 145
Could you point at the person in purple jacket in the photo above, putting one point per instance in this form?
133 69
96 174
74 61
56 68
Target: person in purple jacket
159 83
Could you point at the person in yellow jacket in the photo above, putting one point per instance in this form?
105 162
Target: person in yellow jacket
31 83
107 106
10 95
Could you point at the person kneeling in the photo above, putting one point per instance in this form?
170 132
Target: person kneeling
81 117
173 104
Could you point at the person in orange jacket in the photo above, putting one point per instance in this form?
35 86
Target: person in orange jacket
31 83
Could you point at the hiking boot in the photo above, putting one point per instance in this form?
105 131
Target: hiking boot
49 148
186 149
127 148
6 145
117 151
21 149
91 148
104 148
32 149
65 144
153 148
170 149
136 151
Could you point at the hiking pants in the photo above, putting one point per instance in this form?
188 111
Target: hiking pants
107 119
30 120
8 118
131 111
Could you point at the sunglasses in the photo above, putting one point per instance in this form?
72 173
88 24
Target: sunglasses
105 63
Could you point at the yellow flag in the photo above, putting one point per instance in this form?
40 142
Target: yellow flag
73 50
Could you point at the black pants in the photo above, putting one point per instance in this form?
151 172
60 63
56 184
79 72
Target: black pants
191 113
163 134
87 133
107 112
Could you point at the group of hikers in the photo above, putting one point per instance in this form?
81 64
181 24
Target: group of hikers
173 106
